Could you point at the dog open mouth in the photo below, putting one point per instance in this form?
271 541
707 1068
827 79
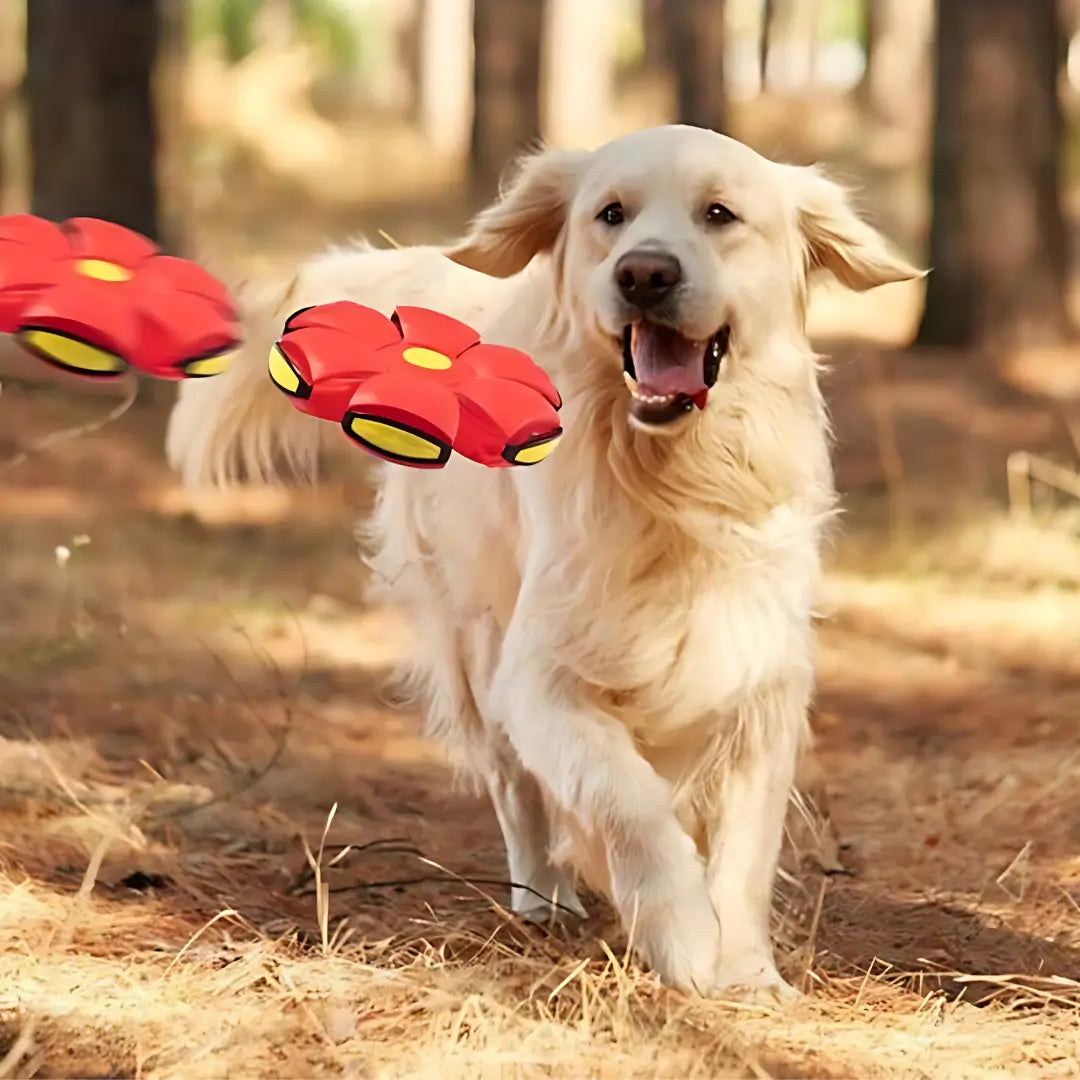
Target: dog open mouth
667 373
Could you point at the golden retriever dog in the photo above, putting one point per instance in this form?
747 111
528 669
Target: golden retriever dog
618 642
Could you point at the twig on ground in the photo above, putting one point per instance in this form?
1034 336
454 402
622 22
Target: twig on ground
47 442
1022 468
811 938
401 846
449 879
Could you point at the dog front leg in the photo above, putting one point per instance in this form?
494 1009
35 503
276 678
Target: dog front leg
746 837
590 766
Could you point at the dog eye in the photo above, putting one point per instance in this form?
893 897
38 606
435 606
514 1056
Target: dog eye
612 214
719 214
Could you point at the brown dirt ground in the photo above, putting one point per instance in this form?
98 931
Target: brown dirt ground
188 691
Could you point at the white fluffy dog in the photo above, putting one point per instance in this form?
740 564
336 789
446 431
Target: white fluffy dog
618 641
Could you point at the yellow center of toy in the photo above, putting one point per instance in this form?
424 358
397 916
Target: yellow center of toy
427 358
101 270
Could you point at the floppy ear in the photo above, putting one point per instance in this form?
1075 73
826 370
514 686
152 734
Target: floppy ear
836 239
528 216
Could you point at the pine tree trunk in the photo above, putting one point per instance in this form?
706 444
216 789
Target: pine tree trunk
173 137
696 48
93 128
997 245
506 81
654 53
871 40
409 34
897 43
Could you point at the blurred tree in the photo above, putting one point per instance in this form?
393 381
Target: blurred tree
12 56
813 29
173 162
93 128
654 53
578 72
409 46
896 42
506 87
997 242
695 35
765 40
446 73
871 35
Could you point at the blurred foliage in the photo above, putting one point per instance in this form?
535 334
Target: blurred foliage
843 20
327 24
628 33
237 27
838 20
330 26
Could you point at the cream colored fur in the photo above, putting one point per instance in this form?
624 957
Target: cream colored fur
618 641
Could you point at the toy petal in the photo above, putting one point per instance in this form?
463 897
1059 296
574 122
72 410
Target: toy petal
42 237
502 362
31 250
404 419
92 315
371 329
331 354
22 277
167 276
94 239
505 423
433 330
185 334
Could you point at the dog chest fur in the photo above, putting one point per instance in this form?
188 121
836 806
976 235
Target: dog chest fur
687 638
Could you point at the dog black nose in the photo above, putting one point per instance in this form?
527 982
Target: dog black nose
645 277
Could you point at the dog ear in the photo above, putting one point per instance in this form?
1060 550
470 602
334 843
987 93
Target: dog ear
528 216
836 239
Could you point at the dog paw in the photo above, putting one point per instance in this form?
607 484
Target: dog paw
680 945
535 907
762 986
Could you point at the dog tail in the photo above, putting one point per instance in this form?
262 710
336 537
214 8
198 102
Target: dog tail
238 427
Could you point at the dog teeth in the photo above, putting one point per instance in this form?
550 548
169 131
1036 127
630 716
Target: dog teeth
650 399
640 395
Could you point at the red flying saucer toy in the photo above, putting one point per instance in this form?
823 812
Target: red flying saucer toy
414 387
96 298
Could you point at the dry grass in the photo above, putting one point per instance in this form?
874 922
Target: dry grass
190 690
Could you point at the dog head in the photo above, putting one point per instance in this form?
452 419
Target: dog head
680 254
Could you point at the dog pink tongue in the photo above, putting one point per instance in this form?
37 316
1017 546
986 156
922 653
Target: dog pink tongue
667 363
